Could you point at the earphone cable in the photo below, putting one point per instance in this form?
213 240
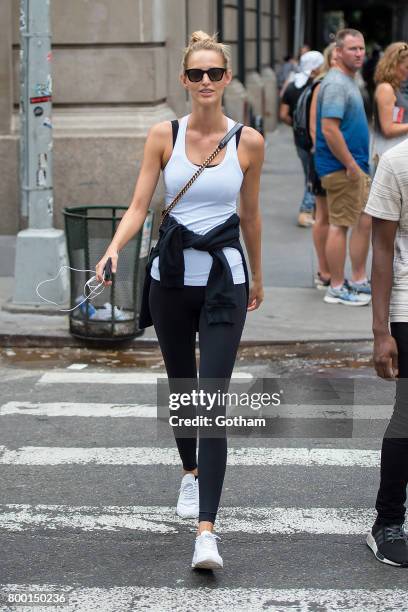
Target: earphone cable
91 294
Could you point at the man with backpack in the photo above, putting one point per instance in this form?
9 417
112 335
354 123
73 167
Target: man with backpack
309 66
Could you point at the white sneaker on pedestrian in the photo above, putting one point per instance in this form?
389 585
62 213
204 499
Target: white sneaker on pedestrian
188 501
346 295
206 554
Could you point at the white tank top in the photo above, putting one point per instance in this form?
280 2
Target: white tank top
209 202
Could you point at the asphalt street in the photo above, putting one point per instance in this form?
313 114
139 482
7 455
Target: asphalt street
87 502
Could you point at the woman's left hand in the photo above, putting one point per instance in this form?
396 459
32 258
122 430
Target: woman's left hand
256 295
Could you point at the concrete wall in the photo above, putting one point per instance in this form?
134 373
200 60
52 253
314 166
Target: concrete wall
115 73
95 22
5 67
176 33
8 143
9 184
109 86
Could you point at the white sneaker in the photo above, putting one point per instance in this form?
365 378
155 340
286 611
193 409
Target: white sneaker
206 554
188 501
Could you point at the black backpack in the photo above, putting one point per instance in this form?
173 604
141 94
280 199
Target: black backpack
301 118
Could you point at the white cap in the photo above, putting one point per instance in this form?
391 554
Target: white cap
311 60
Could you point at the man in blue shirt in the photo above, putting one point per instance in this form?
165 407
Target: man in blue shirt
342 147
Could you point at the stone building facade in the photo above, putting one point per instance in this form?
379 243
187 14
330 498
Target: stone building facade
115 66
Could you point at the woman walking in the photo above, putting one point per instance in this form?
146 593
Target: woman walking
197 278
390 105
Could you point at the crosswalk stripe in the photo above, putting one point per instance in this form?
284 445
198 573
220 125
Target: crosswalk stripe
70 409
244 456
162 519
112 378
130 598
164 599
54 409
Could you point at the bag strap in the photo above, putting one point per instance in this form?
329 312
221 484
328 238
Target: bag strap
208 161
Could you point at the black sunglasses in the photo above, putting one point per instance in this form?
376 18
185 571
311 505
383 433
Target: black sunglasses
195 75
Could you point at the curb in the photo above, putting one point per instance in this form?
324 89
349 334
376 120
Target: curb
33 341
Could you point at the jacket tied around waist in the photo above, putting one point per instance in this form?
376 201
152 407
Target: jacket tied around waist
219 291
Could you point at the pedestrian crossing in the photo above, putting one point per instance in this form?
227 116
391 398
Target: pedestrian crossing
24 516
162 519
248 456
126 599
381 411
112 378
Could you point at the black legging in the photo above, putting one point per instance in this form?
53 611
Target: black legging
394 454
177 314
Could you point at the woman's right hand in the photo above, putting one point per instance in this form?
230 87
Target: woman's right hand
113 254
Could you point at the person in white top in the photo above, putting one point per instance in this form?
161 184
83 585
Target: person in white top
388 206
208 203
207 209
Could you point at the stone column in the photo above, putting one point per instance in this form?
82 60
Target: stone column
268 74
202 16
5 67
176 24
9 191
235 95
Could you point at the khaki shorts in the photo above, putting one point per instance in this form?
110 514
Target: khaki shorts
346 198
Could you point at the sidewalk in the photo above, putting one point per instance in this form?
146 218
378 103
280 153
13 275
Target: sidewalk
293 311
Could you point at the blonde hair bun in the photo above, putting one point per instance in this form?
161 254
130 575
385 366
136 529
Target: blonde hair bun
200 40
199 36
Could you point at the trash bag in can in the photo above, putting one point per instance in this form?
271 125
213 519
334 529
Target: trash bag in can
114 313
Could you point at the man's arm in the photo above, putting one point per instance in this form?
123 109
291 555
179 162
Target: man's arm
385 99
313 114
337 145
284 114
384 205
385 348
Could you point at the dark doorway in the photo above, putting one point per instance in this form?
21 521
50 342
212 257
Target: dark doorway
374 19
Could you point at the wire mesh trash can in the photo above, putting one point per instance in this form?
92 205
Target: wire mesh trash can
113 314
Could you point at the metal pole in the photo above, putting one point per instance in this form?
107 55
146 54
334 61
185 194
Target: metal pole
40 249
272 35
296 38
220 19
241 41
258 37
35 114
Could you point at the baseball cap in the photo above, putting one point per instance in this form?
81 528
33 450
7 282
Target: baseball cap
311 60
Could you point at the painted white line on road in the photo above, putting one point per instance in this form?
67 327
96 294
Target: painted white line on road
69 409
77 366
131 598
301 411
246 456
112 378
162 519
290 411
